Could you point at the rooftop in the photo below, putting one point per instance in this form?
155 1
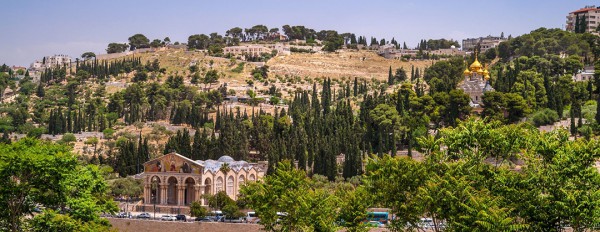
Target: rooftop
588 8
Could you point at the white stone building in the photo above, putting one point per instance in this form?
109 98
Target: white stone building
175 180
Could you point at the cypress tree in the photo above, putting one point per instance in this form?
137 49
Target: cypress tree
40 90
572 118
597 82
390 76
196 146
355 86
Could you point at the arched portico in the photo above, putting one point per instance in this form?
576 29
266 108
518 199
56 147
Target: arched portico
189 191
172 192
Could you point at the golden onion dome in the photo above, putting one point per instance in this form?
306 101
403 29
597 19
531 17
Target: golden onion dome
467 72
486 72
486 77
475 66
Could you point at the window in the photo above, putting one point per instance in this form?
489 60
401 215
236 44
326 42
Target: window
230 186
219 184
241 180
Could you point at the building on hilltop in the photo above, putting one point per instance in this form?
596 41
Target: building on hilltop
476 82
175 180
586 19
50 62
389 51
452 51
246 50
484 43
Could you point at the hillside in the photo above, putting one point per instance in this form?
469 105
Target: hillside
362 64
346 63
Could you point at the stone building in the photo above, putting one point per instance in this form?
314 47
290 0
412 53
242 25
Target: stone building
484 43
246 50
175 180
476 83
50 61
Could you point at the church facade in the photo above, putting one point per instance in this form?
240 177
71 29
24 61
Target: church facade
476 82
175 180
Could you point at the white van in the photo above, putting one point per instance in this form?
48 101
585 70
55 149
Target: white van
251 217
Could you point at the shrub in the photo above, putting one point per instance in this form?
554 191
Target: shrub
544 117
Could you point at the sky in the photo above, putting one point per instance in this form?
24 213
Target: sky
32 29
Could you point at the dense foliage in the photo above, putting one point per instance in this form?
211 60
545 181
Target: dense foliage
35 174
476 177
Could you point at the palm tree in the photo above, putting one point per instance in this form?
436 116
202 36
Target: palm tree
225 168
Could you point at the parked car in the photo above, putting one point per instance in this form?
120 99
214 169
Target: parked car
375 224
217 215
233 220
204 219
181 217
143 216
426 223
168 218
124 215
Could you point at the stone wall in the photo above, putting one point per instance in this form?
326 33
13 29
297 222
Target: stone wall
122 54
131 225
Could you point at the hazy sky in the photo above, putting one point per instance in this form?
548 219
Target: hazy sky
30 30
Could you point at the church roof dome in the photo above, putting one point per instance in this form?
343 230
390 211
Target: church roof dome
475 66
225 159
467 72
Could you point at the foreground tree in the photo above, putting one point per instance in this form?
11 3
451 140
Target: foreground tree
34 173
288 191
471 185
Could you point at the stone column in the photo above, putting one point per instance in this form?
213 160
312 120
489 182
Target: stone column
196 192
147 194
163 194
202 188
180 193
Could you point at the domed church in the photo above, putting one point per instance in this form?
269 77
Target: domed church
175 180
476 82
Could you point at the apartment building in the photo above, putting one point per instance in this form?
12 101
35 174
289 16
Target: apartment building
591 15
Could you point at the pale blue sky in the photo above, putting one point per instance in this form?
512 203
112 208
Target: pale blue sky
32 29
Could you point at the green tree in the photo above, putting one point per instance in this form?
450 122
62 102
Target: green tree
138 41
197 210
88 55
597 83
353 208
212 76
126 187
219 200
288 190
38 173
390 175
116 48
92 141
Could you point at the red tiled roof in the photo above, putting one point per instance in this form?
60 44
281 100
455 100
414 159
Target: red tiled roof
583 10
